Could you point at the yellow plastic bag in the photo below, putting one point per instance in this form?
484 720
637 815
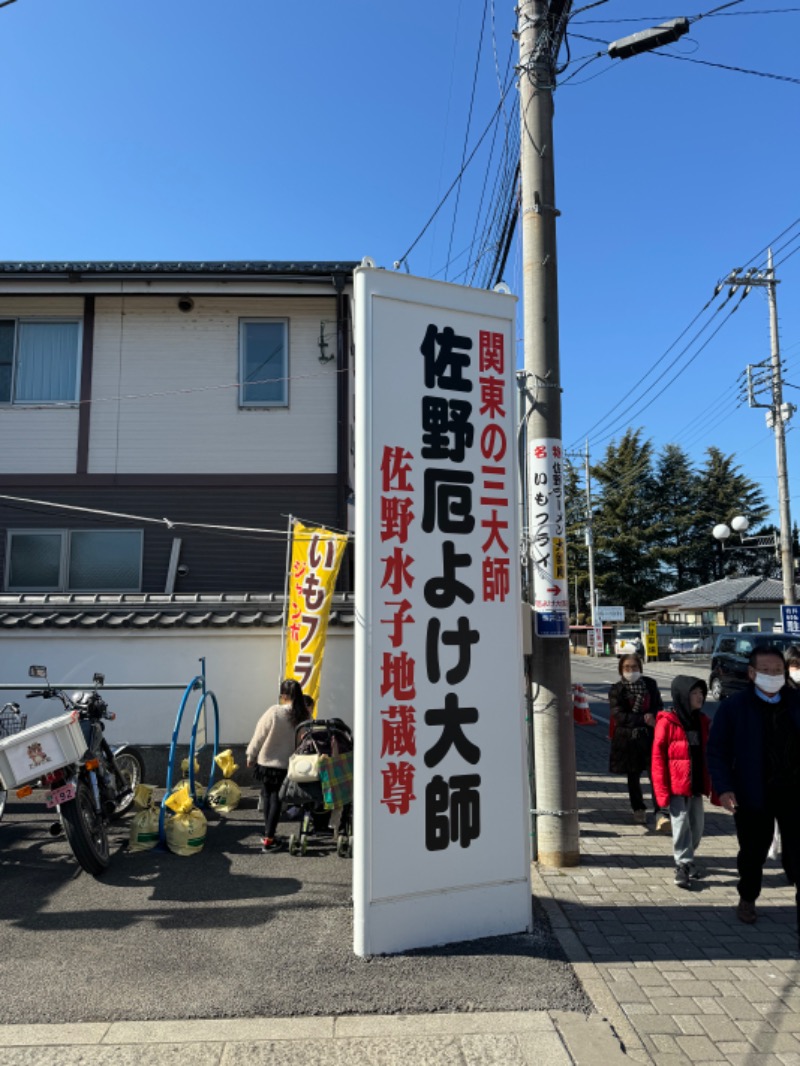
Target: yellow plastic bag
185 767
225 763
186 833
143 796
200 790
144 830
180 799
225 796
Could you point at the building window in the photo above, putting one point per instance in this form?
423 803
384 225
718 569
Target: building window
264 362
39 360
78 560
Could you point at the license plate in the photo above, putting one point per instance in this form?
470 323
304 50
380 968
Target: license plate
61 795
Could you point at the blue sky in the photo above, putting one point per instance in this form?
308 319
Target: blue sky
266 130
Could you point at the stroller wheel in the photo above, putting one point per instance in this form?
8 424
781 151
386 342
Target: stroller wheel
303 845
293 844
341 847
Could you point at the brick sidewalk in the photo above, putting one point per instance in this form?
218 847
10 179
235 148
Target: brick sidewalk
680 978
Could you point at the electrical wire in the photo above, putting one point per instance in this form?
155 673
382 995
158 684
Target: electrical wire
645 376
683 369
725 66
469 126
399 262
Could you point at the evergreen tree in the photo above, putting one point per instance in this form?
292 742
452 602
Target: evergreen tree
577 552
675 517
723 492
627 567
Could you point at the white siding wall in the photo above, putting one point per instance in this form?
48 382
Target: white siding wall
145 346
36 440
242 668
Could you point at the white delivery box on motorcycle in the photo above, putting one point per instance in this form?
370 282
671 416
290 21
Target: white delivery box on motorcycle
37 751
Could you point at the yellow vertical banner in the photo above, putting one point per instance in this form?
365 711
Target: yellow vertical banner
315 561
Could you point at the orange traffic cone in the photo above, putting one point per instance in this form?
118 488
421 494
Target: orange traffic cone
580 706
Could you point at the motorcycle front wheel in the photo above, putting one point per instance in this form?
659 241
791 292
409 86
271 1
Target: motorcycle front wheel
86 831
130 765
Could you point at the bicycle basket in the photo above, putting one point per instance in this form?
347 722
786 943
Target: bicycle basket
11 722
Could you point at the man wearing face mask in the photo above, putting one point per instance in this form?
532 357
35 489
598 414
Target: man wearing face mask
754 760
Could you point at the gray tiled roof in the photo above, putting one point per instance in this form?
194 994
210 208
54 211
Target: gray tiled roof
722 593
253 266
154 611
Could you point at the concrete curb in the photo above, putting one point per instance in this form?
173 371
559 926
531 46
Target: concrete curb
538 1038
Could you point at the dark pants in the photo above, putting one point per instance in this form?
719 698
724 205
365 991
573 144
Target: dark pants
270 790
755 830
635 792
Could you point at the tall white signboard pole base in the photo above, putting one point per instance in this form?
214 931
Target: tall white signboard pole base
441 849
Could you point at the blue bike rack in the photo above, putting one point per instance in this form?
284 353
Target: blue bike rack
198 682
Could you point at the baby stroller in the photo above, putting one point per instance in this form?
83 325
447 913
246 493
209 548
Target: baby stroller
334 738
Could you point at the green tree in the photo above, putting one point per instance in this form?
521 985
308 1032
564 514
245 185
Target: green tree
675 528
577 552
626 559
724 491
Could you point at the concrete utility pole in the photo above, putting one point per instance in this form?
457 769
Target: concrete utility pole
787 560
778 414
541 29
590 541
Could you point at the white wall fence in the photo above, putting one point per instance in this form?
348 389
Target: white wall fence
242 668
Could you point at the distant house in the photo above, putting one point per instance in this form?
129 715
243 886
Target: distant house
206 393
727 603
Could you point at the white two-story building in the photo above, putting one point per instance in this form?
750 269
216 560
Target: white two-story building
158 400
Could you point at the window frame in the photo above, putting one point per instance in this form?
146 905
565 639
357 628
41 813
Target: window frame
64 560
258 320
59 320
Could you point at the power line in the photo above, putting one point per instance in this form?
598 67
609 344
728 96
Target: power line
399 262
726 66
469 125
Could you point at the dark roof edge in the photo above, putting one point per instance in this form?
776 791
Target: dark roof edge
179 267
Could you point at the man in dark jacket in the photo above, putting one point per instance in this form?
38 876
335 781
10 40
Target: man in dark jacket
754 760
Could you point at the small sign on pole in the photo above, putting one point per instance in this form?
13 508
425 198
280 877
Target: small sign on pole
791 620
609 614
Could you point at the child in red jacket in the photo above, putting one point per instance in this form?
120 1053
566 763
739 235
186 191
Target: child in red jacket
680 774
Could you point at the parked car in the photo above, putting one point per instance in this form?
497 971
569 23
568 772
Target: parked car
628 641
691 641
729 659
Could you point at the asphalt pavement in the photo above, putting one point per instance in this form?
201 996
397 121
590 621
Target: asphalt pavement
230 933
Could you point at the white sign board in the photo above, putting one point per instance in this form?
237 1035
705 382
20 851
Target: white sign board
609 614
441 798
548 544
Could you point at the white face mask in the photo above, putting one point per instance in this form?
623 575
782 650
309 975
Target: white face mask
634 675
770 683
794 674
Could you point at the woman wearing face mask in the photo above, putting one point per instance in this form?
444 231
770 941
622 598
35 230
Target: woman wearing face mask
634 702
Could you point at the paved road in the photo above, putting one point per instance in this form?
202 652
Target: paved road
229 933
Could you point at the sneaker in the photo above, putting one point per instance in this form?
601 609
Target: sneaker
663 824
640 817
682 879
268 844
695 873
746 912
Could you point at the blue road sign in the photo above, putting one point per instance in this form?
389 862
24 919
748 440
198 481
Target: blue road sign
791 620
552 624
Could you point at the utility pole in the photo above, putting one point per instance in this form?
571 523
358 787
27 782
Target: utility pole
540 30
778 413
590 540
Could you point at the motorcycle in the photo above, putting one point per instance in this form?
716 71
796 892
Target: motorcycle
96 788
11 721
